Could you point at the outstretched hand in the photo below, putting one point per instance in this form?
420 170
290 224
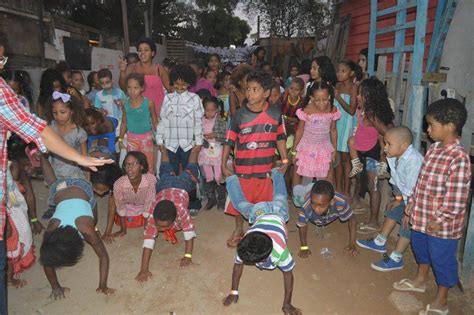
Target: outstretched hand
92 163
304 253
352 250
185 262
231 298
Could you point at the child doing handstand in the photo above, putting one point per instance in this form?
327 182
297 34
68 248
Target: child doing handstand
73 223
265 243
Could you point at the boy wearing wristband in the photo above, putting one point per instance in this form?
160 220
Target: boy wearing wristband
265 243
405 164
169 212
322 206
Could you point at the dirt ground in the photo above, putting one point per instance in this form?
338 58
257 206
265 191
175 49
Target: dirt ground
336 285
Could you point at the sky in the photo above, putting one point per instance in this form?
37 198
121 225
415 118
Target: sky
239 12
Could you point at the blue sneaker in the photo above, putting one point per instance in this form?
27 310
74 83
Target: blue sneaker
387 264
370 244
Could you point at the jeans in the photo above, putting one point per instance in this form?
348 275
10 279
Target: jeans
396 214
71 182
180 157
169 179
3 289
250 211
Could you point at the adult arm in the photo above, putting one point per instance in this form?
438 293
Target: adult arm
236 275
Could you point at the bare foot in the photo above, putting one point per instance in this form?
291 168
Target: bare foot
17 283
235 238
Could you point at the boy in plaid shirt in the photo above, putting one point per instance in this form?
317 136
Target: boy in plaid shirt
438 204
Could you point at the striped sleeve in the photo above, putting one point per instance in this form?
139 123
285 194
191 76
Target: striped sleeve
344 210
303 219
233 131
286 262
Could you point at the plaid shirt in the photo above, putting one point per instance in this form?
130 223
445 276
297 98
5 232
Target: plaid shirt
442 190
14 118
131 203
180 122
183 219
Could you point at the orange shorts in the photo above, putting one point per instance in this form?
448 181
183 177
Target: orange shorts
131 222
255 190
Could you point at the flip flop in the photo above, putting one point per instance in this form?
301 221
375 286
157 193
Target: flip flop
432 311
406 285
367 229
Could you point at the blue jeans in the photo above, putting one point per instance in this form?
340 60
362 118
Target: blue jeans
186 180
180 157
3 289
250 211
71 182
396 214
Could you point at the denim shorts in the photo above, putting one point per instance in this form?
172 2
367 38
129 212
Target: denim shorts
187 180
397 214
371 165
61 184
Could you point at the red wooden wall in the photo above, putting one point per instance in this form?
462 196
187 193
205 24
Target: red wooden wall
360 25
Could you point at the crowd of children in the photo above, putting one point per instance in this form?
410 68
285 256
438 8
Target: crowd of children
179 131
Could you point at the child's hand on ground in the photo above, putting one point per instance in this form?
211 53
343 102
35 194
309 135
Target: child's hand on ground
37 227
433 227
352 250
143 276
304 253
106 291
58 293
108 238
119 233
185 262
289 309
231 298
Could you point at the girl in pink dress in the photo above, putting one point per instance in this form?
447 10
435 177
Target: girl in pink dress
316 136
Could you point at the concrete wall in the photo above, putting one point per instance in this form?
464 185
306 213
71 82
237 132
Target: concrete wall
458 52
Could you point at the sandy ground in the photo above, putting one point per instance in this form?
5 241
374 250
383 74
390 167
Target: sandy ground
337 285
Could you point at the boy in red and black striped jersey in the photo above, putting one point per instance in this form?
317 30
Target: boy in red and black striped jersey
256 130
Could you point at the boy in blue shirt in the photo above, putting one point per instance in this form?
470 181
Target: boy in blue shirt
405 164
109 100
323 206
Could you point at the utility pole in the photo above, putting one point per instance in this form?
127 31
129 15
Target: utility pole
126 46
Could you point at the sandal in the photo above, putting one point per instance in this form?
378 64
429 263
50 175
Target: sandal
433 311
367 229
406 285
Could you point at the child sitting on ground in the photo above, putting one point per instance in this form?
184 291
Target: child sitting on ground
73 223
323 205
405 163
169 212
438 204
256 131
265 243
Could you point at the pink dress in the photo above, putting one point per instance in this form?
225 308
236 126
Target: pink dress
315 148
210 158
154 90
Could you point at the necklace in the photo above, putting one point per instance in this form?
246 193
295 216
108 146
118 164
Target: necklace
291 103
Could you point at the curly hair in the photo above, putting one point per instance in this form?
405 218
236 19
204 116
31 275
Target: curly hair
74 104
262 78
183 72
239 73
376 103
326 69
62 247
447 111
